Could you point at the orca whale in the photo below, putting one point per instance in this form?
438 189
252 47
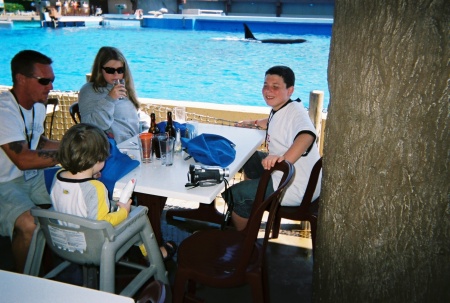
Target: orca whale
249 36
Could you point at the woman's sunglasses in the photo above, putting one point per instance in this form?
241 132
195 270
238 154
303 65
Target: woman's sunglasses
111 70
43 81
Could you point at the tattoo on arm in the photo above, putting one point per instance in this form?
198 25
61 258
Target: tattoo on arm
47 154
41 144
17 146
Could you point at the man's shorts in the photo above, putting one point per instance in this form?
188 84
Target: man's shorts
18 196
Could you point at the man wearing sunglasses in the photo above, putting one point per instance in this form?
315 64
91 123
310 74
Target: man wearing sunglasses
24 150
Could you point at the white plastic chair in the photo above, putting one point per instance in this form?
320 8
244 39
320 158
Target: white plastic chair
96 243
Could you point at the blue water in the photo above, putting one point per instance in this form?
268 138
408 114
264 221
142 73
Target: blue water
199 66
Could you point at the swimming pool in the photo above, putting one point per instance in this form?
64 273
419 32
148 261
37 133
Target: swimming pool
200 66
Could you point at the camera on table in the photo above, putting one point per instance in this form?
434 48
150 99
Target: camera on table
203 175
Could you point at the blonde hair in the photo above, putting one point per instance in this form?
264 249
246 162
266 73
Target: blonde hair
105 54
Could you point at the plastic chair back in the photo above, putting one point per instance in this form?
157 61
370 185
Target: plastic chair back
260 205
230 258
91 242
54 103
74 111
308 209
73 238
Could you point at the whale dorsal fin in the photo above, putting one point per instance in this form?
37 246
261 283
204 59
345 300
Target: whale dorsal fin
248 33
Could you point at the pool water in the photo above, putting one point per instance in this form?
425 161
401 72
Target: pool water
200 66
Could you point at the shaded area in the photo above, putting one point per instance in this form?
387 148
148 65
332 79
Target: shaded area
289 260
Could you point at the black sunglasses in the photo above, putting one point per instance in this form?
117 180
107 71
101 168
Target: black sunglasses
43 81
111 70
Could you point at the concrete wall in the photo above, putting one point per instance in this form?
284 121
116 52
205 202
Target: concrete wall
271 8
288 8
297 26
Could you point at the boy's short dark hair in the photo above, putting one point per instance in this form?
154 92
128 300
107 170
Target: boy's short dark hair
284 72
23 62
82 146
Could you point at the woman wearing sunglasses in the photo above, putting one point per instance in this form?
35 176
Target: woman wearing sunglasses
112 107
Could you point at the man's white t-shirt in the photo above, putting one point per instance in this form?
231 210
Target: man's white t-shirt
12 129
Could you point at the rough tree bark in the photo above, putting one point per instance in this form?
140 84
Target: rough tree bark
384 221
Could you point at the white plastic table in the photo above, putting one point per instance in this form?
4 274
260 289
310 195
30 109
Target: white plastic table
155 182
23 288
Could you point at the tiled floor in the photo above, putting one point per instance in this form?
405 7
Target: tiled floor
289 259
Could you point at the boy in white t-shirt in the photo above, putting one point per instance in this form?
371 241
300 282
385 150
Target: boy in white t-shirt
290 136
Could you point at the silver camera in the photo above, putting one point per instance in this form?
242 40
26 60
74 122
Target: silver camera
202 175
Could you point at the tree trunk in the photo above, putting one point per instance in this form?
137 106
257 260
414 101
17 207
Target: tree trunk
384 221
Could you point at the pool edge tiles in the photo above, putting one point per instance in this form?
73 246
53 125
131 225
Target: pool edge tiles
315 26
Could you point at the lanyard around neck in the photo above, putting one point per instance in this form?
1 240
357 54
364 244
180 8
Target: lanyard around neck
272 113
29 138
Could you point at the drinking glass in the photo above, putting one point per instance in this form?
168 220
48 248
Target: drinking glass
191 129
180 114
166 147
156 139
117 82
146 147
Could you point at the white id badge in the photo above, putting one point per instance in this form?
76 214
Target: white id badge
30 174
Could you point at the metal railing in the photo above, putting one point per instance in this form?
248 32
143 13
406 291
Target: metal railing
161 114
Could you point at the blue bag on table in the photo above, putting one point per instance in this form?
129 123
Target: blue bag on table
181 126
210 149
116 166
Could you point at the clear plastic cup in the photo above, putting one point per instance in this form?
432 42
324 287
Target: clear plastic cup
117 82
166 149
180 114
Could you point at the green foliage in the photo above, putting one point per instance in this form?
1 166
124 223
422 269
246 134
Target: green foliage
21 5
12 7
